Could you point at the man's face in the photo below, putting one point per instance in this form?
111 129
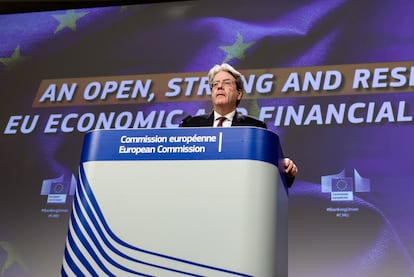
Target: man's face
224 92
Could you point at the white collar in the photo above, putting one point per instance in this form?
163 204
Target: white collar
229 116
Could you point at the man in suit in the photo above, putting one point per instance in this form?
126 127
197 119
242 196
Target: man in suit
226 92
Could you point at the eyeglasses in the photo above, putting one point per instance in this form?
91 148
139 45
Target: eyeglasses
225 83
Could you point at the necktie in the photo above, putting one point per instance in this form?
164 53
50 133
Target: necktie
220 121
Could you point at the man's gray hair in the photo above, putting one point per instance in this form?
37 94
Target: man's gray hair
228 68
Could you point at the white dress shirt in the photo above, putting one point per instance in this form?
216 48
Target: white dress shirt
227 121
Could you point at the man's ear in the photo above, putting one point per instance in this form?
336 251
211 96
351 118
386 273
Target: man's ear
239 96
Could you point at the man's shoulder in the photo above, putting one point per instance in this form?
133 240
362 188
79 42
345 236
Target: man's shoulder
247 120
197 121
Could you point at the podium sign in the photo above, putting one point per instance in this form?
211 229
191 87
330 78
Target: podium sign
176 202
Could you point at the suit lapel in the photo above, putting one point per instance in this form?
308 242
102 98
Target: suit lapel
236 119
210 120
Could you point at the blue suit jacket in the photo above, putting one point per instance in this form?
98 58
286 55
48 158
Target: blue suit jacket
207 120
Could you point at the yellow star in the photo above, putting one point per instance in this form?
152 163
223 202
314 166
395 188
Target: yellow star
12 258
236 50
15 59
68 20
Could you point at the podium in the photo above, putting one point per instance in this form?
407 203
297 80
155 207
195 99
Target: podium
179 202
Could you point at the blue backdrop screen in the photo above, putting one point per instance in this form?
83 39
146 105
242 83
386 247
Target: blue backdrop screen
334 79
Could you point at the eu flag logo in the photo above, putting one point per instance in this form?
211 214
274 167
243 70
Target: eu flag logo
58 189
342 189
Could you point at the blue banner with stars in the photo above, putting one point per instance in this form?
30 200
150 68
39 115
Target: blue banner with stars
334 79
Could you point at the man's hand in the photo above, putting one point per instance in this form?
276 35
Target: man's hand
289 167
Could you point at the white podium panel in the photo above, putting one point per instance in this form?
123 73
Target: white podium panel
179 202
